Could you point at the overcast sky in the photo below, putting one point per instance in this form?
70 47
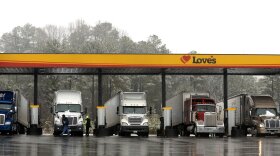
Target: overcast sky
206 26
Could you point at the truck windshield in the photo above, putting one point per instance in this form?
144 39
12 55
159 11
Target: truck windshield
134 110
68 107
205 108
5 106
266 112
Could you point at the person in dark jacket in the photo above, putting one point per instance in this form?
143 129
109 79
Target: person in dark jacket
65 124
88 125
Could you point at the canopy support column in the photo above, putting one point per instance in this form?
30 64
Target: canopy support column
100 88
225 80
163 88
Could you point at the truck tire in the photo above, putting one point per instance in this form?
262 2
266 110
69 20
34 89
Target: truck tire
186 133
220 135
21 129
143 134
80 134
159 132
56 133
255 133
204 135
170 132
102 132
260 135
126 134
239 132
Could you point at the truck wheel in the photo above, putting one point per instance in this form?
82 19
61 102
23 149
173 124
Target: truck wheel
144 134
21 129
205 135
254 132
240 132
81 134
220 135
117 130
56 133
159 132
195 132
102 132
126 134
260 135
170 132
186 133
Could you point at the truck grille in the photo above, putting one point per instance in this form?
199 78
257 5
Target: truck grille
272 123
72 120
2 119
210 119
135 120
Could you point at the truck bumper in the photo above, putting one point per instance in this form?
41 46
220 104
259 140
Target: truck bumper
59 128
269 131
5 128
135 129
202 129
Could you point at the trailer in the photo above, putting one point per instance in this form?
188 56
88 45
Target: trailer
17 115
192 113
251 114
124 114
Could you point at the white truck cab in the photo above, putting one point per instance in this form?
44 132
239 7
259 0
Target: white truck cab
68 103
133 113
123 114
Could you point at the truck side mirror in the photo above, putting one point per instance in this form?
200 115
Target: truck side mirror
117 110
15 109
151 110
250 112
51 110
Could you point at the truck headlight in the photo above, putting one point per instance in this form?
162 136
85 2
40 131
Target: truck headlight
261 125
145 124
8 123
57 121
124 124
80 121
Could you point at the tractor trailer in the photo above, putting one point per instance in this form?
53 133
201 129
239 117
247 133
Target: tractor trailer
251 114
195 113
17 115
68 103
124 114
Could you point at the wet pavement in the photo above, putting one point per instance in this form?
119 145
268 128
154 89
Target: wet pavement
48 145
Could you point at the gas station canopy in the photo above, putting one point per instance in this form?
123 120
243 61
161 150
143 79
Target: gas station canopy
118 64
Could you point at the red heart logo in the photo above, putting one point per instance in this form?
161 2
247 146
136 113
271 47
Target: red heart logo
185 58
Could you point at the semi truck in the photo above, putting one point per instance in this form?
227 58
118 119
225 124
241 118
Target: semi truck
125 113
68 103
17 115
251 114
195 113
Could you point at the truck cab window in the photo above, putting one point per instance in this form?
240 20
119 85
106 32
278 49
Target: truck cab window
205 108
5 106
265 112
134 110
68 107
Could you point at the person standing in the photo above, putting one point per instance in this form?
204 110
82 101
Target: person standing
65 124
88 125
